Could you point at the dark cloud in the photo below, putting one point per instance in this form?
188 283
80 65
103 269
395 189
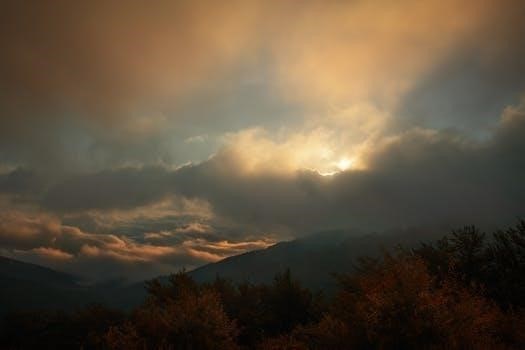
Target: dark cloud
419 177
21 181
122 188
101 102
82 84
465 92
469 88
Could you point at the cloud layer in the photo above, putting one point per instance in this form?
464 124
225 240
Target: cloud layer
138 139
171 218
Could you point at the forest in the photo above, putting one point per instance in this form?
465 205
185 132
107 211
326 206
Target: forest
463 291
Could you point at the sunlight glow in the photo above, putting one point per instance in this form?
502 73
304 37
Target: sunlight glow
327 173
336 167
344 164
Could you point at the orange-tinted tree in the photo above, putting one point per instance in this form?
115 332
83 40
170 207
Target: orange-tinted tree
180 315
395 303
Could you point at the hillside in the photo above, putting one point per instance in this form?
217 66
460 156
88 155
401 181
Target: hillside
26 286
313 260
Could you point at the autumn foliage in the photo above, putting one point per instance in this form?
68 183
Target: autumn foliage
465 291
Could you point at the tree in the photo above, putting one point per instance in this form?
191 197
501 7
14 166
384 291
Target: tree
396 303
180 315
506 270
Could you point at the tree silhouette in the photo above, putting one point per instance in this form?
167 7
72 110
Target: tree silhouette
464 291
180 315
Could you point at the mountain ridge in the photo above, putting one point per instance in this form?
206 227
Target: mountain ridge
313 260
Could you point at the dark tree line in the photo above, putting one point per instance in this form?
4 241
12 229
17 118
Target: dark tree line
465 291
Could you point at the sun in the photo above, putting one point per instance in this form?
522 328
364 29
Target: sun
344 164
336 167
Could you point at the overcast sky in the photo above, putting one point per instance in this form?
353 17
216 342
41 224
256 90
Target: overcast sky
138 138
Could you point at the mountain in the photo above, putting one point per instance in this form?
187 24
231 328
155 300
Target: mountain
25 286
29 286
15 270
313 260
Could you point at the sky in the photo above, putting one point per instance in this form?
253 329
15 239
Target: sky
139 138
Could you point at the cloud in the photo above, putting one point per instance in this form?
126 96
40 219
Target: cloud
103 56
52 253
123 188
170 134
419 176
28 230
101 84
21 181
44 239
74 73
172 211
355 51
156 220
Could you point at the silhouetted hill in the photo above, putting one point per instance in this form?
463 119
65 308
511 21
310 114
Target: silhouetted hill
313 260
11 269
29 286
25 286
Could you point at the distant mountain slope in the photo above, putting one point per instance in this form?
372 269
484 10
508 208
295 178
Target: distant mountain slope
312 260
29 286
25 286
17 270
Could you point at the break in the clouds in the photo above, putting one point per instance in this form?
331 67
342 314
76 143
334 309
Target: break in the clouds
139 138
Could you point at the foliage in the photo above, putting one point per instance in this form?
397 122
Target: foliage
465 291
84 329
180 315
